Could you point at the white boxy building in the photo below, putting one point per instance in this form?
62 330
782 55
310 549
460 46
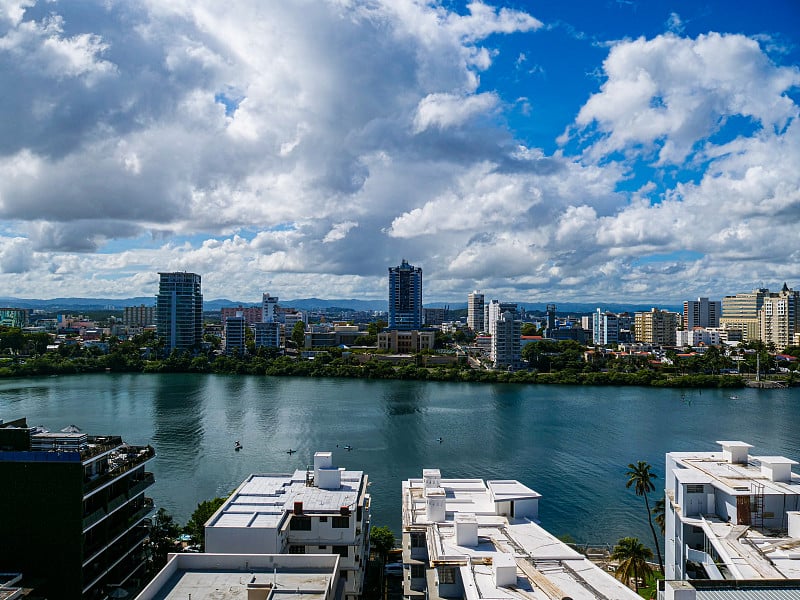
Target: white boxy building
731 516
466 539
324 511
245 577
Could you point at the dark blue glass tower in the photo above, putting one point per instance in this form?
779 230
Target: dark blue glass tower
405 297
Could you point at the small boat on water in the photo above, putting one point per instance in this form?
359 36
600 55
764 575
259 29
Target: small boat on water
734 397
237 446
290 451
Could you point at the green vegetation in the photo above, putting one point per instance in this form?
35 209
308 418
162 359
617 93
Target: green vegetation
641 479
381 539
632 556
196 525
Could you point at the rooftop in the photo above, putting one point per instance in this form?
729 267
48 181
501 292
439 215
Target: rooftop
263 500
236 577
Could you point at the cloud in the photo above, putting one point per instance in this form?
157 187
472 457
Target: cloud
304 146
670 94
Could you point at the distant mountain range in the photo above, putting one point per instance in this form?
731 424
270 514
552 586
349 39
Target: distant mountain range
85 304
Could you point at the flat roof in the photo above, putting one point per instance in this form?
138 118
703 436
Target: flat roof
511 489
262 500
229 576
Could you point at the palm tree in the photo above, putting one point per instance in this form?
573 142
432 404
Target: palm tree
640 477
632 556
658 513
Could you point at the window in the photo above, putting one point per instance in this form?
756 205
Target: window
323 547
340 522
300 523
340 550
323 519
417 571
343 575
694 488
297 549
417 540
446 575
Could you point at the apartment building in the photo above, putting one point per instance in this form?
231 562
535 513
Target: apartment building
656 327
245 577
470 539
234 340
506 342
475 311
321 511
605 328
701 313
406 342
179 310
779 318
75 509
731 516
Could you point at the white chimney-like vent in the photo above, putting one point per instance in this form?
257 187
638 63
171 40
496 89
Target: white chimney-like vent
466 530
431 478
735 453
504 568
435 505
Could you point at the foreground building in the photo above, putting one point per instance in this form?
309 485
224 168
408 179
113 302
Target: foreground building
319 511
75 510
731 516
463 538
246 577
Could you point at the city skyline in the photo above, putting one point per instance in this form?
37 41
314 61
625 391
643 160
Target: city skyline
585 152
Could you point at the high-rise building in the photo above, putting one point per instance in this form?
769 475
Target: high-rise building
701 313
779 318
235 327
179 310
506 341
740 312
75 510
139 316
656 327
13 317
251 314
605 328
475 311
496 309
269 305
405 297
267 335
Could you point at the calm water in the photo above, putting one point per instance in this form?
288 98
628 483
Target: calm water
571 444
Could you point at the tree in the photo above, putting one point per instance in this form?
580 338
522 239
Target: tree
632 556
299 335
658 513
640 477
196 525
163 533
382 540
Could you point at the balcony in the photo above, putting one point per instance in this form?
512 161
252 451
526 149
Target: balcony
125 528
120 464
99 566
117 502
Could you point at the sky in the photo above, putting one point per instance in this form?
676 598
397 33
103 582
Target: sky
577 151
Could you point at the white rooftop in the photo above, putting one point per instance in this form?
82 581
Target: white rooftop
263 500
232 576
545 566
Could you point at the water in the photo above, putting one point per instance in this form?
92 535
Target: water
571 444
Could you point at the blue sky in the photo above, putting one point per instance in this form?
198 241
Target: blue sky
594 151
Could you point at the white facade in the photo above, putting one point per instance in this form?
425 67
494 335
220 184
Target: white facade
506 339
269 305
319 511
475 311
245 577
730 515
697 336
473 539
605 328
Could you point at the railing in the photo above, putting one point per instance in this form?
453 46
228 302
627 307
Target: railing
91 485
91 552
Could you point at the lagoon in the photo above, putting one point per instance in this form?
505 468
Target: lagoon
571 444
